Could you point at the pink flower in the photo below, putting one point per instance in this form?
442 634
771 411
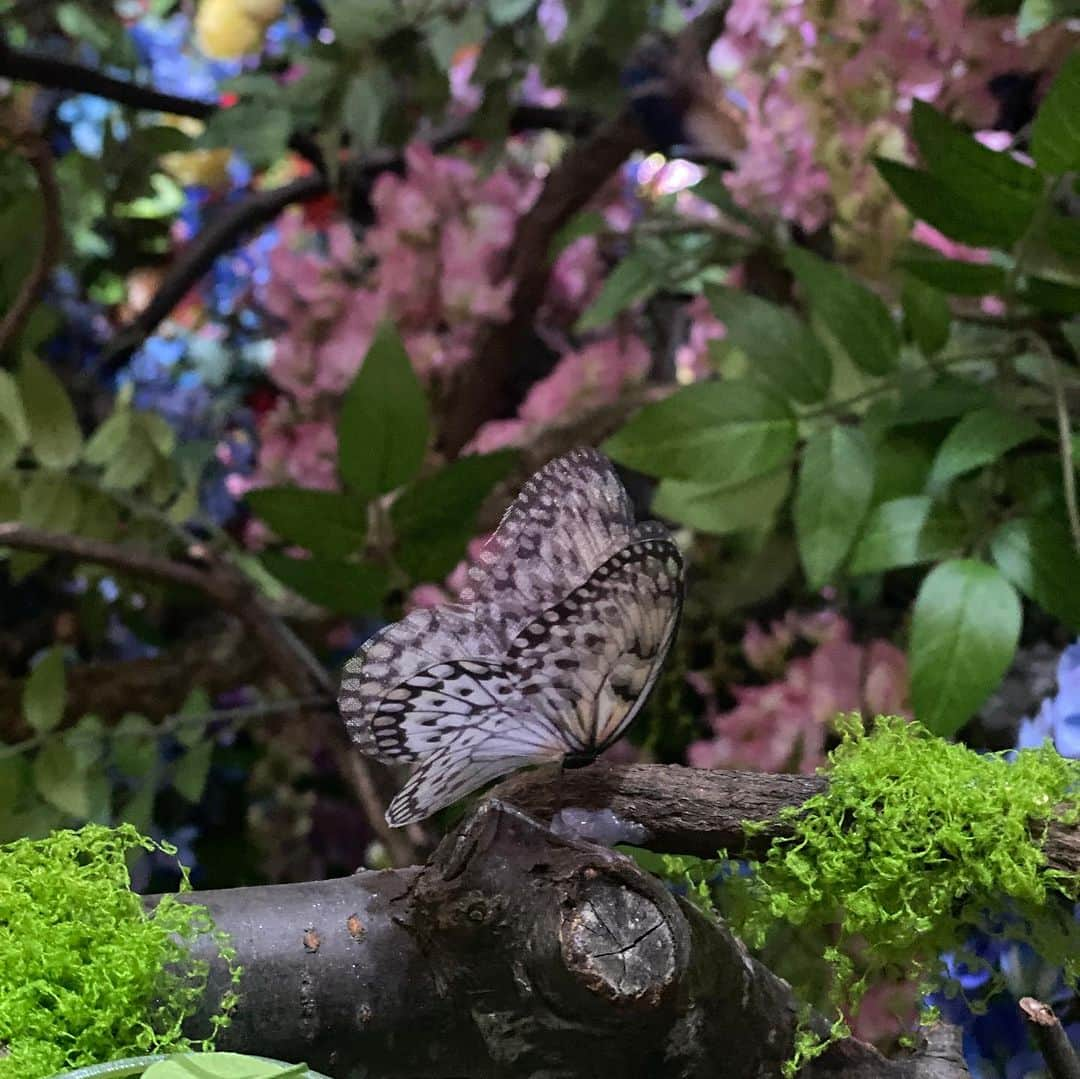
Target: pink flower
928 235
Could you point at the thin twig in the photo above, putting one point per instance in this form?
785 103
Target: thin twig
1060 1057
36 151
1065 435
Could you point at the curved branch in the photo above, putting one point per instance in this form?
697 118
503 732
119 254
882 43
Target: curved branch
36 151
25 66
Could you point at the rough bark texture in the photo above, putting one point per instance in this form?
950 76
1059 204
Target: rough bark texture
695 811
514 952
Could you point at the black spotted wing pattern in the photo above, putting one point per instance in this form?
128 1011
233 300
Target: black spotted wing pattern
553 651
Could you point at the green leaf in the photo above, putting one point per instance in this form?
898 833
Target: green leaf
722 508
11 408
780 346
585 223
713 433
1055 136
1037 554
135 748
59 780
835 485
325 522
258 130
51 502
956 277
854 315
960 215
435 517
962 161
503 12
964 631
54 432
980 438
45 692
906 532
926 315
223 1066
108 440
342 587
632 280
942 400
190 771
383 429
9 445
367 97
357 22
133 463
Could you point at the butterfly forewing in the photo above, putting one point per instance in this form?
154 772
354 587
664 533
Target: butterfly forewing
553 651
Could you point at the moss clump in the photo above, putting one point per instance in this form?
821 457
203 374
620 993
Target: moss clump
916 843
86 974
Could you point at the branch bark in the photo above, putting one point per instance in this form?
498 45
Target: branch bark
698 811
1059 1055
36 151
513 952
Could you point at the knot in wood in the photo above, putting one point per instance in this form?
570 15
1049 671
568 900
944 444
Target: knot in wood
618 943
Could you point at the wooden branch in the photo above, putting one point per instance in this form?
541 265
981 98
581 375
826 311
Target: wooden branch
36 151
698 811
1059 1055
513 953
23 65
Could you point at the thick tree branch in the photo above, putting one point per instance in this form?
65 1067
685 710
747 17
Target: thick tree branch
697 811
513 952
36 151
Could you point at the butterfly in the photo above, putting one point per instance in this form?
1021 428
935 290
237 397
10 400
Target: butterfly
552 649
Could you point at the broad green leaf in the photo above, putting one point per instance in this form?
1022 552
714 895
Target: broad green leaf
45 692
10 498
926 315
338 586
383 429
190 771
51 502
712 433
325 522
854 315
159 431
964 631
956 277
980 438
833 493
453 494
9 444
358 22
367 97
906 532
134 746
224 1066
1055 136
109 439
58 779
1038 555
133 463
960 215
54 432
503 12
780 346
631 280
585 223
258 130
1055 296
944 399
902 463
966 164
86 739
11 407
722 508
435 517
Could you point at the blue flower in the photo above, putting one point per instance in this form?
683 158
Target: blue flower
1059 716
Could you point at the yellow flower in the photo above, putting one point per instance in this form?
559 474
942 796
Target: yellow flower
225 29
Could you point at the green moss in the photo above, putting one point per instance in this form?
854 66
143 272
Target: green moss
86 975
916 843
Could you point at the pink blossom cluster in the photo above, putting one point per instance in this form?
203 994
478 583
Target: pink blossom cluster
826 87
782 726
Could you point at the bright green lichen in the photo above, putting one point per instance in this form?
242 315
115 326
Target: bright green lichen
86 975
916 843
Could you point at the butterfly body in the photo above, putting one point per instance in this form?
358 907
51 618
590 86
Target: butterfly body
553 649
